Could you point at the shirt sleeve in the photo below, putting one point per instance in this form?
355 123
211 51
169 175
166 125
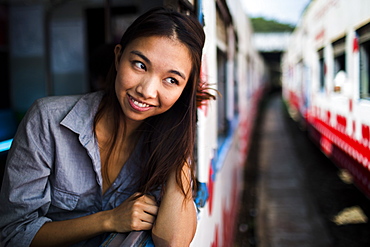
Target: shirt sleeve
25 193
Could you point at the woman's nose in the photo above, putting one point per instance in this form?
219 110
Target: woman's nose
148 88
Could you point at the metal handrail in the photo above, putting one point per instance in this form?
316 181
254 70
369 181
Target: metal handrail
132 239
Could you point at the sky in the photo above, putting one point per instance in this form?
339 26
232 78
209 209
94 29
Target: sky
284 11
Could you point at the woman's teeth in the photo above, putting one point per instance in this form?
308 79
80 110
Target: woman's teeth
140 104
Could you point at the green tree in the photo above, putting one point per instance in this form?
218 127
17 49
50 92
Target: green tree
261 25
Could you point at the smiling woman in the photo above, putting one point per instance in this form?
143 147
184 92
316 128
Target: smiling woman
118 160
152 72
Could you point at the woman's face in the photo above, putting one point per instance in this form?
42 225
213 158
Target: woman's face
152 72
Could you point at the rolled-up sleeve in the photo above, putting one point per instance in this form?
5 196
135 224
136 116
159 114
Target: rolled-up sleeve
25 193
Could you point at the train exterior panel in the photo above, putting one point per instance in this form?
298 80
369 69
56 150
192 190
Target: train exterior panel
62 37
326 73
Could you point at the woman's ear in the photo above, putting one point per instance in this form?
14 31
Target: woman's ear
117 55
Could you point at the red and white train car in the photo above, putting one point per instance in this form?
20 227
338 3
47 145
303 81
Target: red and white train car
326 82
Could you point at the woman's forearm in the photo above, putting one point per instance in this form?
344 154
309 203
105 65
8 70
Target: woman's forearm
177 228
135 213
67 232
176 220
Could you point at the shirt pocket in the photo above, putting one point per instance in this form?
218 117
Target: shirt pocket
64 199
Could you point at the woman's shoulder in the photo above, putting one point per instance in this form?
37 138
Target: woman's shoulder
63 102
57 102
60 105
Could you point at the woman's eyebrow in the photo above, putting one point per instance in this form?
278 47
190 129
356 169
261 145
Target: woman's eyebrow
142 56
178 73
138 53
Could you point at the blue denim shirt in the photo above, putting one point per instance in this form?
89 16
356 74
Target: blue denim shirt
53 170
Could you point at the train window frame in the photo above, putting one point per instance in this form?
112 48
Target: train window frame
364 61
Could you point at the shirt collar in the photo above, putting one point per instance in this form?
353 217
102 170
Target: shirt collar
80 118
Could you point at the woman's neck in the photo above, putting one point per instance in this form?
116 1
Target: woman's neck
125 131
122 137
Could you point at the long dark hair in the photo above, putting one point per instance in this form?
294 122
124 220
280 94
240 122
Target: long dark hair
168 138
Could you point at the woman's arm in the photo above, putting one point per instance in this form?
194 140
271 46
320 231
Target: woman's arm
67 232
176 220
136 213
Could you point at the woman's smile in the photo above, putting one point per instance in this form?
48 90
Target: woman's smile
138 105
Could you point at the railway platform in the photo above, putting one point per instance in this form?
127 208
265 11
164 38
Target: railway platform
286 217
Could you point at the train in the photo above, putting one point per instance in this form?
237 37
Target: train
51 48
326 83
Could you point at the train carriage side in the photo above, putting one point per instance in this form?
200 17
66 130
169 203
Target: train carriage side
335 53
236 69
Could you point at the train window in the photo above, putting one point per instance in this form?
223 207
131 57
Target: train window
222 49
222 124
339 55
236 87
339 69
364 49
322 69
365 70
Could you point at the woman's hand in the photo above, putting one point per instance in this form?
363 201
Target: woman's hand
134 214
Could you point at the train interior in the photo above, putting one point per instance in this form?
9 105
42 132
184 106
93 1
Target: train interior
56 48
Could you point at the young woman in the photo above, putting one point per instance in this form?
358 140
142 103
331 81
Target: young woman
82 167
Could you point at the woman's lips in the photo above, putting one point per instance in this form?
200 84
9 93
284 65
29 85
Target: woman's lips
138 105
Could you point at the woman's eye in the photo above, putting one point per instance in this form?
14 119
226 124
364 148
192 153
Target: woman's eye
139 65
172 80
